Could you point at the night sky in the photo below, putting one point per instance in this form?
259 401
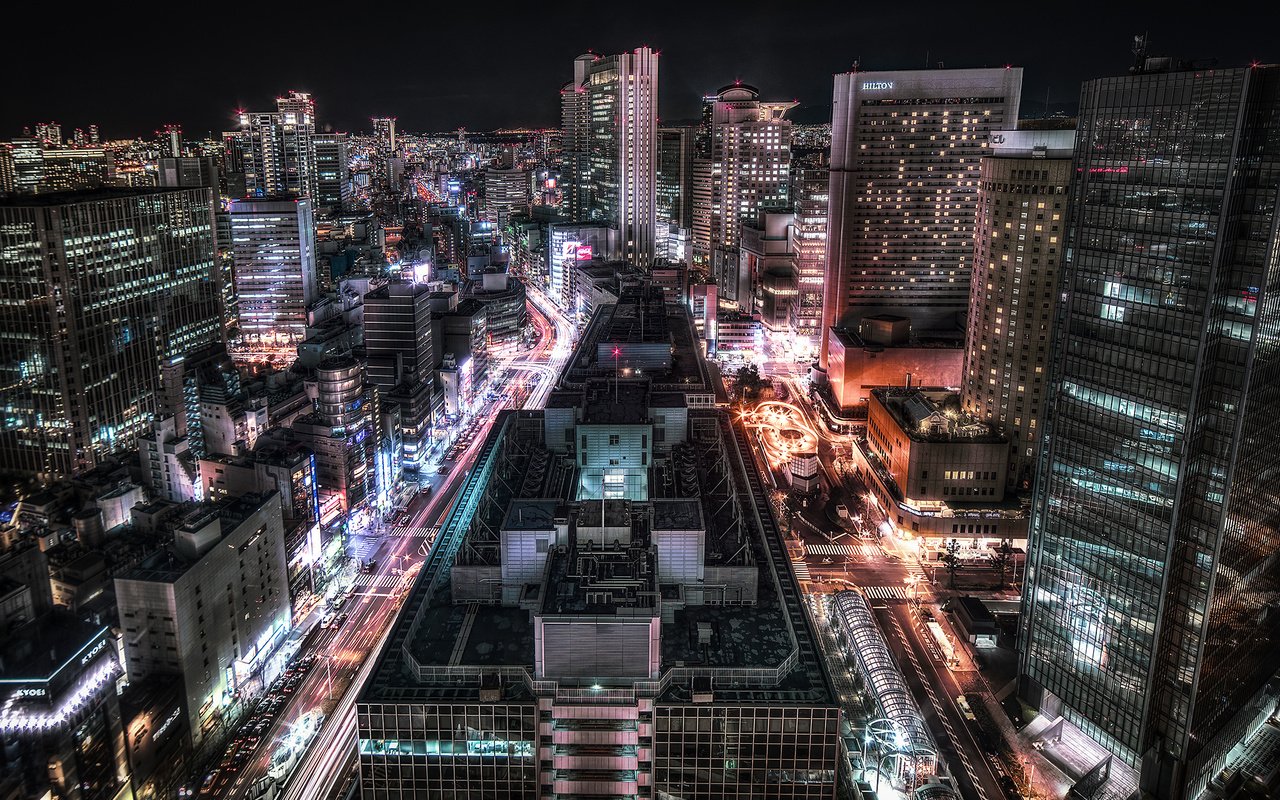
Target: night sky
131 68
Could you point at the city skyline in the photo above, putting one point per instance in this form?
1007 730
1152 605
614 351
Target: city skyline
480 94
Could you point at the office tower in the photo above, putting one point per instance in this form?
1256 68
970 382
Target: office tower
810 184
400 358
1148 616
61 725
342 432
384 134
397 334
273 250
610 114
278 148
6 168
905 151
506 310
333 178
49 134
675 176
748 169
69 169
170 137
768 266
506 192
1018 247
574 138
93 134
104 288
608 611
188 171
211 606
28 165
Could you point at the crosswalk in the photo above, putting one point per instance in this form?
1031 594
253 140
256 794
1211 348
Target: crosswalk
863 550
884 592
802 570
914 568
384 581
407 530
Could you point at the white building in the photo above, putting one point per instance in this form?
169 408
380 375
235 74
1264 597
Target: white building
610 118
273 248
210 607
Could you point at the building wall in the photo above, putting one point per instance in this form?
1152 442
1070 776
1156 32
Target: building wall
854 371
1019 246
136 276
912 139
273 249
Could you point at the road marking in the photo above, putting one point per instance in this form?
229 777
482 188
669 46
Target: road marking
384 581
864 550
802 570
884 592
421 533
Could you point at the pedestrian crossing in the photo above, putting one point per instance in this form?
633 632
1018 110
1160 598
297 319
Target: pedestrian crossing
883 592
420 533
383 581
802 570
863 550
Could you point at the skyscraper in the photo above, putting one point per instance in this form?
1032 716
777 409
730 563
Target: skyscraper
102 289
748 169
675 176
333 180
273 250
610 114
1018 247
278 147
809 192
400 354
905 150
1149 611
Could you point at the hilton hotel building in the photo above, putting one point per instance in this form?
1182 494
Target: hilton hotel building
905 154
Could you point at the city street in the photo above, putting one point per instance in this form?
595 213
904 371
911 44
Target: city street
344 652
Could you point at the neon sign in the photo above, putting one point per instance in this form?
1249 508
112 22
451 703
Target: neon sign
97 648
876 86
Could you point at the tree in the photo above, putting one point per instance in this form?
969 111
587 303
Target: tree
748 382
1003 558
951 559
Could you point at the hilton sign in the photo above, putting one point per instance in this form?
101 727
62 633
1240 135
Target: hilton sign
876 86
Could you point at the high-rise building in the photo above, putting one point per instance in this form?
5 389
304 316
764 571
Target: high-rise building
211 606
809 187
28 165
675 176
1018 246
610 114
103 288
342 432
384 133
905 152
1149 617
170 137
278 147
49 134
333 178
585 628
73 169
273 249
189 171
749 168
400 357
506 192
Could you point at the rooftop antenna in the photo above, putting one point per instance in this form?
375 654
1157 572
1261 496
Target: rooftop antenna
1139 51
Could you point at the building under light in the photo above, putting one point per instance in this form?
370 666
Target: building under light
278 148
59 715
274 253
104 288
610 114
608 600
1153 578
211 607
905 153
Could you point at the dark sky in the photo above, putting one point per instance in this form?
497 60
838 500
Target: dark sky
131 68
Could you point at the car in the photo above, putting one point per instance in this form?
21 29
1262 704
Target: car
966 710
341 618
443 470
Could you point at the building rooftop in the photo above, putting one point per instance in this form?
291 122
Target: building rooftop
934 416
167 564
85 196
40 648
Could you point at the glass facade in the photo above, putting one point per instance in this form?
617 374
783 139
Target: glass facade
100 289
1154 532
